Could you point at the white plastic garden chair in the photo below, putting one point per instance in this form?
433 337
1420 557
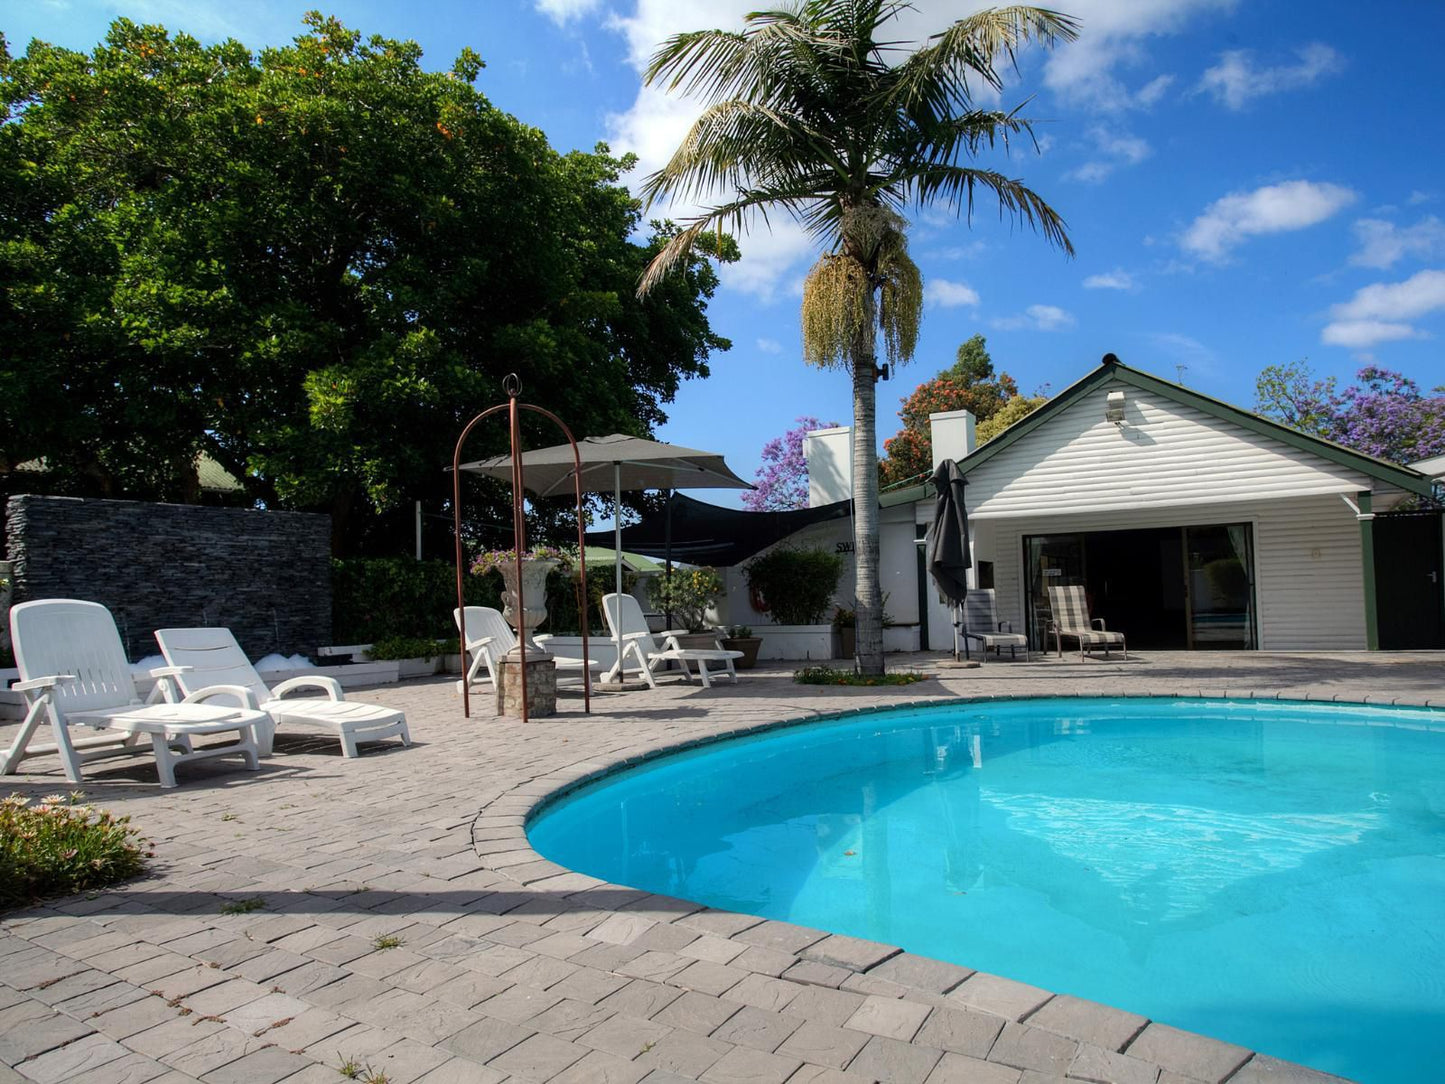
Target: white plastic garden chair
629 629
211 657
489 637
73 672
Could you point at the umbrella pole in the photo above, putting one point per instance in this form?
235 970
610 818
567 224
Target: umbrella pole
617 561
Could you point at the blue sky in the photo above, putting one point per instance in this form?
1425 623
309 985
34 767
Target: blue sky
1245 184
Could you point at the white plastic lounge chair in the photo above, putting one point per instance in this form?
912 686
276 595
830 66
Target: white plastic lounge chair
211 657
489 637
73 672
1071 619
627 624
981 623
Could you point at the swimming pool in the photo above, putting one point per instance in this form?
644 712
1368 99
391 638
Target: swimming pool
1269 873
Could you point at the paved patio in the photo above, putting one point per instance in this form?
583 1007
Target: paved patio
507 967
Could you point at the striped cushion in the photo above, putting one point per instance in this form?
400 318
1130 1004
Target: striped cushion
1071 614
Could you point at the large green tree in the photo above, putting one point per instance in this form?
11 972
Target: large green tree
810 111
313 264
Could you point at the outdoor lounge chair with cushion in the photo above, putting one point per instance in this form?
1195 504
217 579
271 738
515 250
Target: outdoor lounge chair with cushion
489 637
212 657
628 626
981 623
73 672
1071 619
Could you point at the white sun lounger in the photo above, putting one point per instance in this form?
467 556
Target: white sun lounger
73 672
629 628
212 657
489 637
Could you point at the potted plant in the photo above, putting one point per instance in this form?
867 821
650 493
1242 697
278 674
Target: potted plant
688 594
741 638
537 564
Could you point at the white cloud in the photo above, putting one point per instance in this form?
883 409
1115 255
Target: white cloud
1419 294
770 346
949 295
1110 280
1036 318
1275 208
562 12
1417 197
1154 90
1115 149
1113 38
1378 313
1362 333
1384 243
1235 81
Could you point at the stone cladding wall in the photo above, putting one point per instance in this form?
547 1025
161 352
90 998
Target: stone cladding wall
264 575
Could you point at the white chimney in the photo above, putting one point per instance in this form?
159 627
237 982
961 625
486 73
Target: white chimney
953 435
829 453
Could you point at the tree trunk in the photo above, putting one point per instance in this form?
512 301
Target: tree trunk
865 494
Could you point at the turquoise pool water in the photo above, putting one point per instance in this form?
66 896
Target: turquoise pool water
1268 873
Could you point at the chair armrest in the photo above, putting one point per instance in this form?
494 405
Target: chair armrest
159 672
673 632
543 638
242 694
1100 622
330 685
631 636
47 682
1005 626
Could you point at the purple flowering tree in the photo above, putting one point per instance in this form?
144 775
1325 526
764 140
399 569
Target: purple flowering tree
782 480
1384 414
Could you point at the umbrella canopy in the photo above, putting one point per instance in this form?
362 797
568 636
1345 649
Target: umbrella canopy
617 462
946 544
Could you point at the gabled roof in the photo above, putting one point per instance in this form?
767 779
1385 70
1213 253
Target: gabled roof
1111 368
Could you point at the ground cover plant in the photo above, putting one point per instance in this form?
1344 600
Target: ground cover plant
60 846
825 675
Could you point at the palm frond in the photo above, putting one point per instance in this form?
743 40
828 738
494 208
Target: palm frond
956 186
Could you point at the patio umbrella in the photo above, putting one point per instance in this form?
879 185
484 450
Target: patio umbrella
617 462
946 544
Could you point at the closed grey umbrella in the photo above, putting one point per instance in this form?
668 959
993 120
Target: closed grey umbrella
615 463
946 544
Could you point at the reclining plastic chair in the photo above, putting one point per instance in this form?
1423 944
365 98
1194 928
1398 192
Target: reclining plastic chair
73 672
489 637
1071 619
211 657
628 626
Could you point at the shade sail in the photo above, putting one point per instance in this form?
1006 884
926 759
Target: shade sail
612 462
705 534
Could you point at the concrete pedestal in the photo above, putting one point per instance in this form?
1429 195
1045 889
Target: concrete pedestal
541 685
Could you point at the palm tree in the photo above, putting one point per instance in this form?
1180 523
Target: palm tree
806 110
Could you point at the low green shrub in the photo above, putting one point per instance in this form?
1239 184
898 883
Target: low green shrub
824 675
373 598
796 585
405 647
58 847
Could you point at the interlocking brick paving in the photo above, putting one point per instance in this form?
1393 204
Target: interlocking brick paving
408 928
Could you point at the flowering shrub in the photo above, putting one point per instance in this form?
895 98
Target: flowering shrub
58 847
493 560
686 594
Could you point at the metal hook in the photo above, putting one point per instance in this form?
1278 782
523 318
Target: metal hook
512 385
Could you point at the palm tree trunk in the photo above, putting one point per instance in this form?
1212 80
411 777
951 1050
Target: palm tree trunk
865 493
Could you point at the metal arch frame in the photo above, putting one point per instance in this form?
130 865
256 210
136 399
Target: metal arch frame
513 387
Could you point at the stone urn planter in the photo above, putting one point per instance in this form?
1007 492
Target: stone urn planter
535 571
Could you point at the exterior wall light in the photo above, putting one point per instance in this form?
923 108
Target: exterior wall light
1114 408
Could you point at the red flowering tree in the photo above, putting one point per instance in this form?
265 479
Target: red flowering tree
970 384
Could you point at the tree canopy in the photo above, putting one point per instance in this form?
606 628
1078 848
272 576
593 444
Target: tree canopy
782 480
969 384
314 264
1384 415
812 110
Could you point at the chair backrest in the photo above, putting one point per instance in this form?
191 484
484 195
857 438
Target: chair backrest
625 618
1071 610
66 636
980 610
214 658
483 621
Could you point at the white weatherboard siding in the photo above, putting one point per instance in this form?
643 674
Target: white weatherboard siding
1309 589
1172 465
1165 453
